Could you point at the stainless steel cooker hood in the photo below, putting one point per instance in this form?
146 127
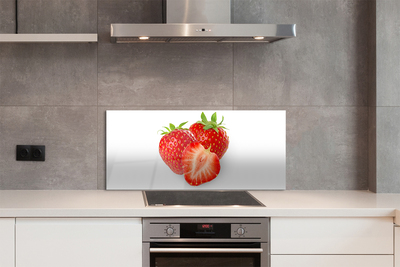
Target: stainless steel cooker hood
188 21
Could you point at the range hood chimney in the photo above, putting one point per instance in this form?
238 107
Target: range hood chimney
194 21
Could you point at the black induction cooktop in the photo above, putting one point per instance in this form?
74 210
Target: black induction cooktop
200 198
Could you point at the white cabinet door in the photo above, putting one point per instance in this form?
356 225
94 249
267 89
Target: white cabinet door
332 260
332 235
66 242
7 234
397 246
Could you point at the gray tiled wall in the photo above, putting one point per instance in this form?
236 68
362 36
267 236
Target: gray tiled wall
57 94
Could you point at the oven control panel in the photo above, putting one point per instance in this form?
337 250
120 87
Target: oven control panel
209 228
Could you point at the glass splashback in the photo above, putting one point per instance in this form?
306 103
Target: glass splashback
255 159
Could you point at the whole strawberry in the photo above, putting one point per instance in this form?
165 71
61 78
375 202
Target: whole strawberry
211 134
172 145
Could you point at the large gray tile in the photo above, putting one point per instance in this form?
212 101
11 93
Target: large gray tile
388 56
101 162
326 64
388 149
165 75
126 11
57 16
70 137
48 74
327 148
7 16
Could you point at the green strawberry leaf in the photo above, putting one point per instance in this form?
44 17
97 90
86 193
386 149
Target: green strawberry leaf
221 121
204 118
180 125
214 117
172 127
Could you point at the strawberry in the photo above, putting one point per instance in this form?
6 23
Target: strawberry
211 134
199 164
172 144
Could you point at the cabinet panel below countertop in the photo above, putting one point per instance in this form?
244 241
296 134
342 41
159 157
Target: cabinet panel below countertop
78 242
7 243
332 260
332 235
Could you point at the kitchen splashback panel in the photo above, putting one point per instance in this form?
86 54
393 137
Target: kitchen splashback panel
255 159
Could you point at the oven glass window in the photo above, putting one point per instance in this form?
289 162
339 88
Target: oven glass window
204 260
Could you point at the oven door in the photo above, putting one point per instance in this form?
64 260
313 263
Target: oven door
205 254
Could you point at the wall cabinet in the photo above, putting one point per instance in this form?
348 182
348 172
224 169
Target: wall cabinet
7 233
78 242
355 242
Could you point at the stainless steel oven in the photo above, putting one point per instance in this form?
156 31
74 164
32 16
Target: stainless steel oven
205 242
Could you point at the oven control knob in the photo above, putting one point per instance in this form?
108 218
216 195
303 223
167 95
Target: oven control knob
240 231
170 231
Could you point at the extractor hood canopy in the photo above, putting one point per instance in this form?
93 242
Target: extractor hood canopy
189 21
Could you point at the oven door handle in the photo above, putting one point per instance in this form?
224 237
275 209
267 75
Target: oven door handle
206 250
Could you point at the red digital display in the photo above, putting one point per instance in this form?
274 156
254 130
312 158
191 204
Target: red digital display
205 226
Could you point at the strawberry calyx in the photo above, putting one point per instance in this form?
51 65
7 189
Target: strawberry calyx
211 124
171 128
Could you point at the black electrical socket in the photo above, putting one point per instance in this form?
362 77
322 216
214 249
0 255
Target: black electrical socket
38 153
31 153
23 152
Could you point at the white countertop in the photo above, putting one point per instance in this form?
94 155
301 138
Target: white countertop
100 203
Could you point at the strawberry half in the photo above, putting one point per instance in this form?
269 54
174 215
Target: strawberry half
199 164
172 145
211 134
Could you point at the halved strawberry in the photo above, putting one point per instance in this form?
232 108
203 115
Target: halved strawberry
200 165
172 145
